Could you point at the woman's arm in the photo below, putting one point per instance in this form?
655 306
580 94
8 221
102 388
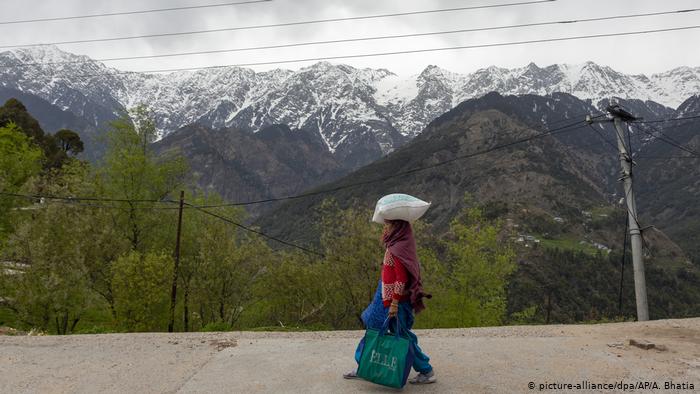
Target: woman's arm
400 280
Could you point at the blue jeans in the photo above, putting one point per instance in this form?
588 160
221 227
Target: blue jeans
421 362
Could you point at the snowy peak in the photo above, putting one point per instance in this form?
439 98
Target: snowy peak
358 113
690 107
45 54
435 72
49 60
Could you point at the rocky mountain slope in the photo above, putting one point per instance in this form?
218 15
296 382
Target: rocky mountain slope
52 118
669 178
360 114
243 166
564 175
560 190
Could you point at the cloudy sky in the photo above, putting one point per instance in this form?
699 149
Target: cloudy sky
631 54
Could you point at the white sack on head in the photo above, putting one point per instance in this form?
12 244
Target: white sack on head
399 207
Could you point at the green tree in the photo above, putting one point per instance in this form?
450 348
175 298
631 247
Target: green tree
297 289
69 141
105 244
221 267
132 171
50 288
141 284
19 158
13 111
472 275
353 256
19 161
302 295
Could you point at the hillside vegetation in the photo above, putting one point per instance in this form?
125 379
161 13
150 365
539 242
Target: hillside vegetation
523 234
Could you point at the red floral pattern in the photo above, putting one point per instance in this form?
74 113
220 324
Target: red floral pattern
394 279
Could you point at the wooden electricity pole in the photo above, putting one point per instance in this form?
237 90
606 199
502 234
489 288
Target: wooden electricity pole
173 293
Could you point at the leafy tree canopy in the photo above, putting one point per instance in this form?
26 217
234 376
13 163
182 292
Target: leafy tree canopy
56 148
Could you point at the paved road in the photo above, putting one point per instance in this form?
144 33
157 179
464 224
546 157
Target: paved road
480 360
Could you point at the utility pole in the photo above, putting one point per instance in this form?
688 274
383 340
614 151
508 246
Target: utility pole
622 267
619 116
173 293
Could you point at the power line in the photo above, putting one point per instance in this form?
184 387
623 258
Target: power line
635 228
411 171
418 169
86 16
628 158
630 213
310 251
603 138
103 206
71 201
666 138
78 199
633 215
338 41
629 142
561 120
266 26
474 154
678 144
671 142
667 157
554 131
558 130
307 250
77 204
409 51
665 120
246 228
564 118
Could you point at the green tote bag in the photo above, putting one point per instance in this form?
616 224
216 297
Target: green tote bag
386 359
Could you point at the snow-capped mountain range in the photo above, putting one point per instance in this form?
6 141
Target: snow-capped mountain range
359 113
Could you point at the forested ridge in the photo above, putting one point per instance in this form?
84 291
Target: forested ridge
106 264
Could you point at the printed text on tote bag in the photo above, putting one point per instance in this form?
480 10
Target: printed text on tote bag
376 358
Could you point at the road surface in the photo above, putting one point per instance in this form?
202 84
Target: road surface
477 360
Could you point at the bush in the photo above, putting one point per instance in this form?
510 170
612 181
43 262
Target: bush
141 290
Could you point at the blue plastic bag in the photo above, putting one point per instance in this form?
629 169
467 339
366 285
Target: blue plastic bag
375 314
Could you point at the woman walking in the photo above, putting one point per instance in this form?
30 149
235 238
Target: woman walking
400 293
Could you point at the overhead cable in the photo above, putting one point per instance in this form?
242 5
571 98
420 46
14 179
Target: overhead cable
258 232
562 129
266 26
402 52
77 199
339 41
148 11
671 142
566 128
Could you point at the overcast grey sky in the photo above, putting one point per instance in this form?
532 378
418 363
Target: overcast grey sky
633 54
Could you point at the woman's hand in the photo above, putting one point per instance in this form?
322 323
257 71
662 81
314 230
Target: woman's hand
393 308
